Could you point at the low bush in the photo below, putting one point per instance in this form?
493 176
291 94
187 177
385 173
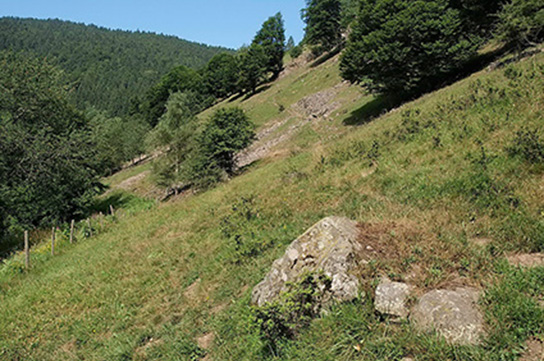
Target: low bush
283 319
527 145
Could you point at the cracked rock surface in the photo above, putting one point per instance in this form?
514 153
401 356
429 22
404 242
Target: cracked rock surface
330 246
453 314
391 298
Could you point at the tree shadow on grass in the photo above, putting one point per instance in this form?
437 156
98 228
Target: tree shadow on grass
117 200
327 56
384 103
247 96
378 106
247 167
259 90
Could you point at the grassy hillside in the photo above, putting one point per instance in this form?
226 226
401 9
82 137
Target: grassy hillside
107 67
443 184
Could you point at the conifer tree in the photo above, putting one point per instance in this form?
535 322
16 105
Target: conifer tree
271 38
323 20
290 44
404 46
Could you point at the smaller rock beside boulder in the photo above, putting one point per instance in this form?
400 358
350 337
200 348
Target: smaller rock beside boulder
528 260
392 297
453 314
330 246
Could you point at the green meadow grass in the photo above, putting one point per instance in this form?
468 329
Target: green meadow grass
432 176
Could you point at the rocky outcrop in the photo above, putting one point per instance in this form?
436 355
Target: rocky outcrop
453 314
330 246
391 298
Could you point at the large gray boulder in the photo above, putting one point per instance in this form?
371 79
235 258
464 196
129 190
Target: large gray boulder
453 314
330 246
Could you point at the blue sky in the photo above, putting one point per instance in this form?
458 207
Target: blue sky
230 23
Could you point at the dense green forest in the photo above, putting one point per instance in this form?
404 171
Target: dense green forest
108 68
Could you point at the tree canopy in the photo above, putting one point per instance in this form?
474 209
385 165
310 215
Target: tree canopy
401 46
323 20
227 132
521 22
271 37
48 167
107 67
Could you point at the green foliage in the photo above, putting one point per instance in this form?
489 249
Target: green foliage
290 44
323 20
281 320
48 170
116 140
203 158
528 145
253 66
221 75
479 16
405 46
296 51
179 79
512 309
241 229
271 38
226 133
174 134
350 9
109 68
521 22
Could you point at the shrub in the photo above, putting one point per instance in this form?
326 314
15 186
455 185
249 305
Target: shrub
527 145
294 310
240 229
296 51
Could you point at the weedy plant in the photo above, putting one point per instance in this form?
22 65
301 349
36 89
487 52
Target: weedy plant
281 320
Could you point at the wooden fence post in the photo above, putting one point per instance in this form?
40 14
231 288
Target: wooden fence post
27 251
53 242
90 228
72 231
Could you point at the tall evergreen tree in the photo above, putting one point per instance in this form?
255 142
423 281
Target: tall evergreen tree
405 46
290 44
323 20
271 38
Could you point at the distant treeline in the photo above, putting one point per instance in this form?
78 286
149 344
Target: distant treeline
107 68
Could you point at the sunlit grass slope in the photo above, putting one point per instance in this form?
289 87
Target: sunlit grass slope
432 178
